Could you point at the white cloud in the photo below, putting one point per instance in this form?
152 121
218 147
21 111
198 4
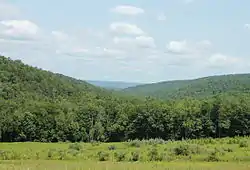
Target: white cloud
137 42
178 47
145 41
8 11
126 28
161 17
247 26
59 35
127 10
91 52
184 47
220 60
18 29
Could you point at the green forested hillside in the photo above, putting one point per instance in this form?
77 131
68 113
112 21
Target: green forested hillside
31 94
197 88
37 105
19 81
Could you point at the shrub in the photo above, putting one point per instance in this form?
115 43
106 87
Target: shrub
243 144
213 156
182 149
120 156
155 141
103 156
10 155
37 155
51 153
206 141
95 143
187 149
75 146
73 152
3 155
153 155
112 147
134 156
233 141
195 149
228 149
135 143
62 154
220 151
167 157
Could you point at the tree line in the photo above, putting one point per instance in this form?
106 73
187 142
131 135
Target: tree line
112 121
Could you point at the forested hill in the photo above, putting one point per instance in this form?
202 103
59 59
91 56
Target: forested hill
30 93
37 105
23 82
196 88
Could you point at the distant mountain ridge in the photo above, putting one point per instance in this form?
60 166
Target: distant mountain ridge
115 85
194 88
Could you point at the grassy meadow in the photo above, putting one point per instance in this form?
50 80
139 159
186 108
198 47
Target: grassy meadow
226 153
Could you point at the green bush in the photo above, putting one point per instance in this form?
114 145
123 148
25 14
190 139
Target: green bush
75 146
3 155
120 156
243 144
73 152
103 156
187 149
51 153
228 149
213 156
233 141
62 154
135 156
155 141
37 155
195 149
153 155
112 147
95 143
135 143
182 149
206 141
10 155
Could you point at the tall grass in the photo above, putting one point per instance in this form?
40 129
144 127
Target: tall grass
153 150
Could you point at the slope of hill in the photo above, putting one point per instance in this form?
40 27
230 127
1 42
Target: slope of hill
196 88
40 105
114 85
20 81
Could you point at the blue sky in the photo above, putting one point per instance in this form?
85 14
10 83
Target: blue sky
128 40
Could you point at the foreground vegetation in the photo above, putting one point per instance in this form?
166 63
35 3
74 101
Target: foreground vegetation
202 150
66 165
229 153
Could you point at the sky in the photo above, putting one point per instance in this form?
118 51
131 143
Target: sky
128 40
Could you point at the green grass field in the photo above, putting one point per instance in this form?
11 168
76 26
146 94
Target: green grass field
82 165
227 153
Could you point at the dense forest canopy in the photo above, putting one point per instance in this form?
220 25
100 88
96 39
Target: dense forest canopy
197 88
38 105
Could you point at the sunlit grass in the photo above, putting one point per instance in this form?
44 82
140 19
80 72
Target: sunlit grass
73 165
227 153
